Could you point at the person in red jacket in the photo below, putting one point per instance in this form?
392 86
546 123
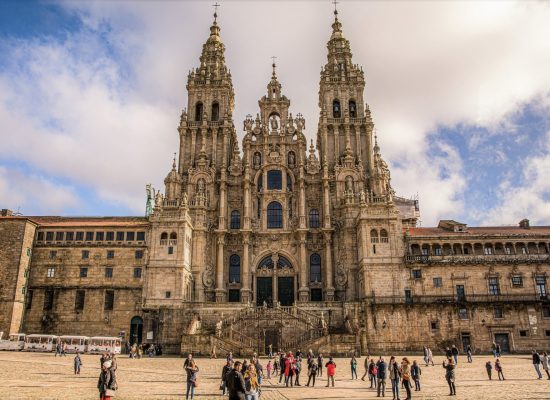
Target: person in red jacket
331 370
289 370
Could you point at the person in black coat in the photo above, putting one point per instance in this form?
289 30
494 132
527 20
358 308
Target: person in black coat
235 383
225 371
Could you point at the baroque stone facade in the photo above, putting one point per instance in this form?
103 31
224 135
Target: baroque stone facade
283 242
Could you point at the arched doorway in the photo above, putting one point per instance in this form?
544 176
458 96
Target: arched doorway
275 284
136 330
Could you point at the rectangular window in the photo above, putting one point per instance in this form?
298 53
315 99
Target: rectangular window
517 281
51 272
28 300
408 296
48 299
424 251
109 300
438 251
540 283
438 282
69 236
89 236
99 236
523 333
434 325
460 293
49 236
170 250
108 272
498 312
85 254
120 236
416 273
316 294
59 236
53 254
488 251
110 254
546 312
137 272
40 236
168 294
79 236
547 333
463 313
110 236
234 295
274 180
140 236
139 254
130 236
79 300
494 287
83 272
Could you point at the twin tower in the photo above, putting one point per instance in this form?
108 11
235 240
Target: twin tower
280 221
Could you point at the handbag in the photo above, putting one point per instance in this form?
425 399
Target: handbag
196 383
222 386
110 392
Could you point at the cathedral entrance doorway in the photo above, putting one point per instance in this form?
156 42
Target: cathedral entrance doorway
285 286
264 287
272 338
136 330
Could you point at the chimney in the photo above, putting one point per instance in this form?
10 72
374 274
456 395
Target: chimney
6 213
524 223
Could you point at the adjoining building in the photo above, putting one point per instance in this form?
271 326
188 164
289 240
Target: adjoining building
286 243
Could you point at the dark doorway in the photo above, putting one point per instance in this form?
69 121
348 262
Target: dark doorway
316 295
271 338
465 340
285 286
460 293
136 330
503 340
265 290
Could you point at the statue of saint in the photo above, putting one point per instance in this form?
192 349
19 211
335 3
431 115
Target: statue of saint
274 123
257 160
219 325
291 159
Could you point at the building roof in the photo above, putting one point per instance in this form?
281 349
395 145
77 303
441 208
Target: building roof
506 231
56 221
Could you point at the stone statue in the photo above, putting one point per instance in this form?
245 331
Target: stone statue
219 325
257 160
200 186
349 184
274 123
158 199
323 323
291 158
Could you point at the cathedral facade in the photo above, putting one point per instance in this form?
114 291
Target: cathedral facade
278 241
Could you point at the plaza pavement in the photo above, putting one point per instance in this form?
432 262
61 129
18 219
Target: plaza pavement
43 376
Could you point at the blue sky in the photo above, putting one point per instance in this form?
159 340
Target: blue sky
91 92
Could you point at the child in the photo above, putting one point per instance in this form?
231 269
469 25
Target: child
489 368
415 374
498 368
269 367
77 363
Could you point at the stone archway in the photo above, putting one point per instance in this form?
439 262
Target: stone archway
275 281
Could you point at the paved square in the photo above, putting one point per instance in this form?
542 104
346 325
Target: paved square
43 376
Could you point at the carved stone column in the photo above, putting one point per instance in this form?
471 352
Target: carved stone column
304 290
220 289
329 288
246 293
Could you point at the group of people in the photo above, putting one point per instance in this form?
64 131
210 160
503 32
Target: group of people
243 380
138 351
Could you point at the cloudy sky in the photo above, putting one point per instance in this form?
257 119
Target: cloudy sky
91 92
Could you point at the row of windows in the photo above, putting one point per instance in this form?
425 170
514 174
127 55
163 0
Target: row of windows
479 249
275 211
383 238
83 272
337 110
314 267
110 254
79 301
215 111
50 236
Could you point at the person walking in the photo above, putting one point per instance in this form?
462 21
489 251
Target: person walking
225 371
498 368
395 377
259 370
188 360
381 375
536 363
77 363
448 353
415 374
331 371
298 370
454 352
449 367
544 360
494 349
489 369
312 373
498 350
353 364
58 348
469 353
425 355
213 352
269 368
289 370
320 364
192 376
406 376
251 383
270 351
235 383
366 366
276 365
372 374
282 361
430 356
105 381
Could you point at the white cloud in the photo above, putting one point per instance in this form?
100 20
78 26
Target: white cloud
111 125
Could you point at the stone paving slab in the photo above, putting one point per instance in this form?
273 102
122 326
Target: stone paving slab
43 376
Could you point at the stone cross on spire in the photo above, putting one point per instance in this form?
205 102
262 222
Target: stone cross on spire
216 5
273 64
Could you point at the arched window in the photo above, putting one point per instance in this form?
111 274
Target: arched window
374 236
215 111
274 215
173 235
352 109
198 111
234 269
282 262
235 220
163 238
314 218
315 268
336 111
383 236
